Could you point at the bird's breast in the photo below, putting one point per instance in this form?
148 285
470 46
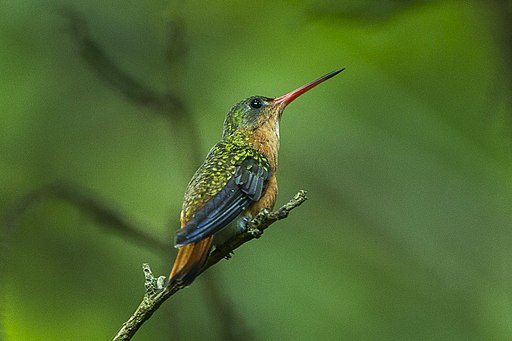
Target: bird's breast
265 139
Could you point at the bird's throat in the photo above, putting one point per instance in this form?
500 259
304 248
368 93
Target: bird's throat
265 139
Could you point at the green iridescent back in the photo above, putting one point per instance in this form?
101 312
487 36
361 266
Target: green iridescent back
215 172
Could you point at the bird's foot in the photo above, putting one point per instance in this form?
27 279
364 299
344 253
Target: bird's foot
244 222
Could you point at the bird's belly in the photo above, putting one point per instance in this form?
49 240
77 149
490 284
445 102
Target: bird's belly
238 225
235 227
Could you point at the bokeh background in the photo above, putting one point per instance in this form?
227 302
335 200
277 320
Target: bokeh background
108 107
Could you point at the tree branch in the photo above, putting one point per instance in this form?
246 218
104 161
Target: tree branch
157 292
169 104
106 215
109 71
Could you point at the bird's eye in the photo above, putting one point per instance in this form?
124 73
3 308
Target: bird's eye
256 103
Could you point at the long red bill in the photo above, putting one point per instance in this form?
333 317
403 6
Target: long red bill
289 97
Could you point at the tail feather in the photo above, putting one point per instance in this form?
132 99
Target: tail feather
190 260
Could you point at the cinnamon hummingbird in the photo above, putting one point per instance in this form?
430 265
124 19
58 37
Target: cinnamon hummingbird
235 182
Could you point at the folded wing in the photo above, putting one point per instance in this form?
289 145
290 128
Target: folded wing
245 186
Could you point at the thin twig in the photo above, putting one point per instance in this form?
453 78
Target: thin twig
169 104
92 205
157 293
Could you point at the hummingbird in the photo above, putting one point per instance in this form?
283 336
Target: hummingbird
235 182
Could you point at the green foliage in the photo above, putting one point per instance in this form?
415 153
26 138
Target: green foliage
405 156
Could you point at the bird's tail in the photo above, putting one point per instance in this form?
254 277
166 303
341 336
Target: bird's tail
190 260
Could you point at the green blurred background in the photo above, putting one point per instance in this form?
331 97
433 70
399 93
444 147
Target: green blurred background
406 157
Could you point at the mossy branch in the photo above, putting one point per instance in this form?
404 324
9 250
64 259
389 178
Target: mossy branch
157 292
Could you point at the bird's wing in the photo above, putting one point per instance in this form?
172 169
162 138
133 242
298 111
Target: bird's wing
245 185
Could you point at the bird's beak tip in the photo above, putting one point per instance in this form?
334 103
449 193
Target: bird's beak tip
289 97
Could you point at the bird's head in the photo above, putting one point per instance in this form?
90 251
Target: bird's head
252 112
